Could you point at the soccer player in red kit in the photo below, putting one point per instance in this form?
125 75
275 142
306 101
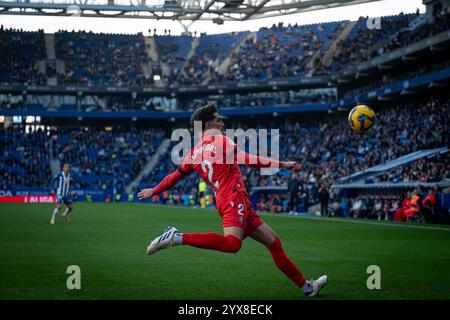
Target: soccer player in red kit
216 159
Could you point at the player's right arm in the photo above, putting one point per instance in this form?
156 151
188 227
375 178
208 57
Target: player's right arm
168 181
52 184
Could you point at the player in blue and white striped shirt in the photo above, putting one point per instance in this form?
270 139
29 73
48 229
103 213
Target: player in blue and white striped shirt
62 181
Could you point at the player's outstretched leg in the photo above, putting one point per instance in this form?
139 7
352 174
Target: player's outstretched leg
265 235
209 240
310 287
170 237
314 286
213 241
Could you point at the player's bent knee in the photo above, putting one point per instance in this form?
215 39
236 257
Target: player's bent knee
233 244
276 245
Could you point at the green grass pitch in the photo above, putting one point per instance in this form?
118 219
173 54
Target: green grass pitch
108 243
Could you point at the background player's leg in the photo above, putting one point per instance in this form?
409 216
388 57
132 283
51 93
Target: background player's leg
66 212
55 211
231 241
265 235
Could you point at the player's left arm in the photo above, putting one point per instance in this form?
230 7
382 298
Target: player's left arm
253 161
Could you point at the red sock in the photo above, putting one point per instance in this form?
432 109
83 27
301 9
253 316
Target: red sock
285 264
212 241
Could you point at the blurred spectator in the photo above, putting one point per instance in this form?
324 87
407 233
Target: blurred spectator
429 204
405 205
293 187
358 207
324 198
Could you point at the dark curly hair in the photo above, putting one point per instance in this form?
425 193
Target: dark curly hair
204 114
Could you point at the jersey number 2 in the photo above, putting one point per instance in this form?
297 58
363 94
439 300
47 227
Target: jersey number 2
208 168
241 209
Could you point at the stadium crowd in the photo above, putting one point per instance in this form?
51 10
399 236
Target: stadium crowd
360 43
99 159
19 55
201 65
440 22
24 159
327 150
278 52
424 170
272 53
105 159
389 79
394 33
415 204
96 59
260 99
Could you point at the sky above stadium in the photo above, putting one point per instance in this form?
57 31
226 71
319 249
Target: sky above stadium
122 25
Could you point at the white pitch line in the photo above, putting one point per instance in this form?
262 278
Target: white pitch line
367 222
381 224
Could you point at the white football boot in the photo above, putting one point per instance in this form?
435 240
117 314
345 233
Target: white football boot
312 287
164 241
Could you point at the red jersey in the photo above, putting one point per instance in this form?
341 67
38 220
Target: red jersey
214 159
430 201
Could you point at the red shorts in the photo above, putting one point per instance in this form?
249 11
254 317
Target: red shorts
236 211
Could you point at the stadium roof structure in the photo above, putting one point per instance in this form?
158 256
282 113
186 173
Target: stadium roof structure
216 11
